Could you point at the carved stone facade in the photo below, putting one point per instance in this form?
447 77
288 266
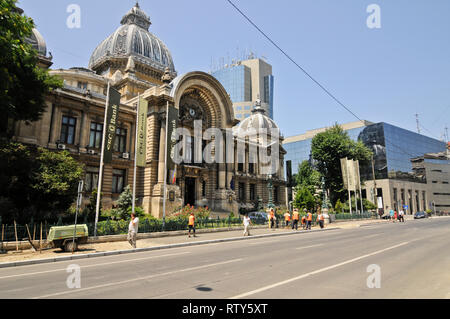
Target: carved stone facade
74 119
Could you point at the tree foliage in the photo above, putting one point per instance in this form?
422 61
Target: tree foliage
23 84
327 149
36 182
304 199
308 177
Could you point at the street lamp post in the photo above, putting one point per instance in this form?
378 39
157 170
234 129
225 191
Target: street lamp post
270 187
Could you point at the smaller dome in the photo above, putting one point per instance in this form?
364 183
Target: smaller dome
37 42
258 121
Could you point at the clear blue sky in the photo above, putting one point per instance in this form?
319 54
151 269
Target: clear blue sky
386 74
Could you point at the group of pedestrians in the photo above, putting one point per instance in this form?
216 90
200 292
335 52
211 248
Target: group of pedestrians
394 216
306 221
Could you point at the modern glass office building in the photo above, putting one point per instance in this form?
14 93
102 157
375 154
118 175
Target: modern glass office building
393 149
237 82
247 81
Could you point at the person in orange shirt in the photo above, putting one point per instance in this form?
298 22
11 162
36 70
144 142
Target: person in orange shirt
321 220
287 218
272 218
304 221
191 224
308 220
295 218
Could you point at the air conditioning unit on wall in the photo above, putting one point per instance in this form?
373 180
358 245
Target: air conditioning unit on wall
126 155
91 152
61 146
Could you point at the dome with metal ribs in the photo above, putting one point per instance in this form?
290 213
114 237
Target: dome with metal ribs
134 39
258 121
37 42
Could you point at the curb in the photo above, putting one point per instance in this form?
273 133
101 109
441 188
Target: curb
163 247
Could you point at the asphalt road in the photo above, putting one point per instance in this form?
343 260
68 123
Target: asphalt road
413 260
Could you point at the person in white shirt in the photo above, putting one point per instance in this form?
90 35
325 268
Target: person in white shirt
133 230
400 216
247 223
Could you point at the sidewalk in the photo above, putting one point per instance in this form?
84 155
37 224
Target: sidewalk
12 256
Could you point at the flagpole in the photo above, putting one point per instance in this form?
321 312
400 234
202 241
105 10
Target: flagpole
135 154
102 154
165 167
360 191
348 183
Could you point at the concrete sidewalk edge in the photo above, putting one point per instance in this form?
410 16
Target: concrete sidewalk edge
162 247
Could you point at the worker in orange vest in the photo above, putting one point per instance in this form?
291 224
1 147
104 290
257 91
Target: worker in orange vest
295 218
287 218
308 220
191 224
321 219
304 221
271 218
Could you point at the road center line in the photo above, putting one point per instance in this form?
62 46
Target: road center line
370 236
314 272
309 247
96 265
72 291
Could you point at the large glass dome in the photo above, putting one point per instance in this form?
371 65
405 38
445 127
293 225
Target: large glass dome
134 39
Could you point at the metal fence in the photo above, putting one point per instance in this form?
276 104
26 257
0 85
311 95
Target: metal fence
114 227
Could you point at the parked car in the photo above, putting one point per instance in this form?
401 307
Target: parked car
258 215
420 215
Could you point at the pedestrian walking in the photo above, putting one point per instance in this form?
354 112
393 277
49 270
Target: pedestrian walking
247 223
295 218
309 220
133 230
395 217
287 218
321 220
401 216
391 214
191 224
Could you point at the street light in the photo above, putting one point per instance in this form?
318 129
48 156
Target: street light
270 187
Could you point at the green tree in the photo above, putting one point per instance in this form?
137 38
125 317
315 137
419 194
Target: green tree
17 174
36 182
90 209
327 149
125 203
56 181
23 84
307 177
304 199
339 206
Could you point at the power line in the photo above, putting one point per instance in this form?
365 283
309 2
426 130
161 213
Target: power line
306 73
293 61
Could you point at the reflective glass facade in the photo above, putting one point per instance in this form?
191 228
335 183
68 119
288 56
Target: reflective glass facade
393 148
268 93
237 82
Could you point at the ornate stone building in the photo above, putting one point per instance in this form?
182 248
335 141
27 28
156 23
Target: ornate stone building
136 62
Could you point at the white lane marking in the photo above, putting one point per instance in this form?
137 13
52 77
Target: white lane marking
72 291
370 236
315 272
309 247
96 265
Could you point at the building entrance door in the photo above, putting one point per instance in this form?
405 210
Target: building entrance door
189 191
